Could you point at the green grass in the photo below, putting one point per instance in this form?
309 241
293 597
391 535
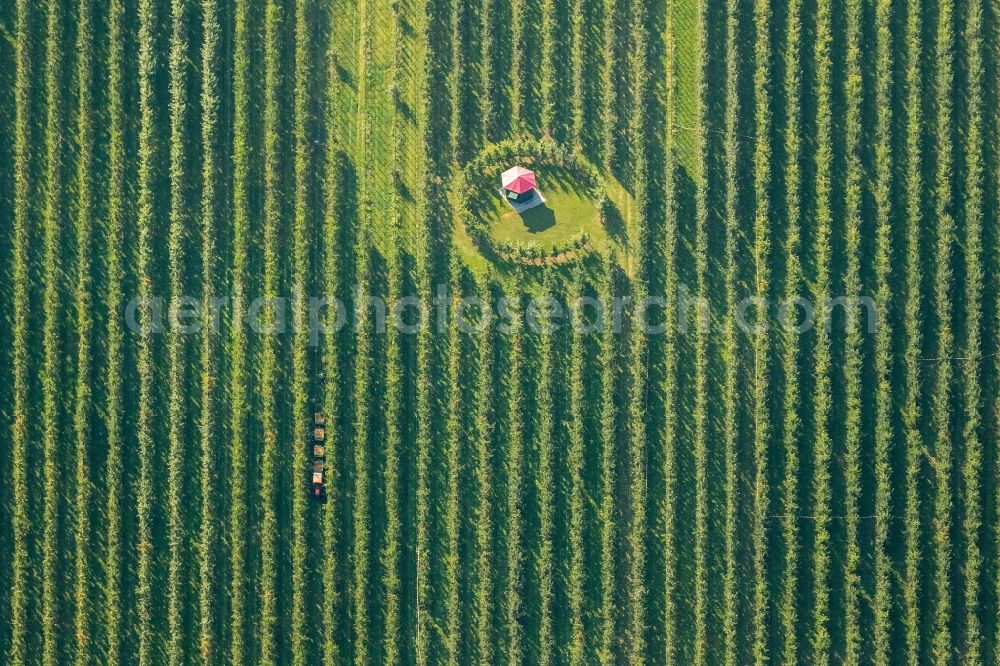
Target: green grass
568 210
714 496
682 40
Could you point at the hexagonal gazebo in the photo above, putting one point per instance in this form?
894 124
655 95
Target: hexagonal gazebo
518 184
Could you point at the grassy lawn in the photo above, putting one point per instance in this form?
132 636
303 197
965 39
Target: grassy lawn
682 37
568 209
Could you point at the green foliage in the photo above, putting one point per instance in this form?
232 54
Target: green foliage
701 352
853 341
464 123
209 546
735 219
241 368
741 495
914 334
883 597
337 215
972 521
578 47
453 519
302 285
364 370
609 612
515 495
493 123
271 376
53 393
182 216
119 210
579 500
639 399
942 643
25 227
821 641
551 83
83 412
793 432
526 253
520 74
393 551
485 430
482 173
613 78
151 149
763 20
546 436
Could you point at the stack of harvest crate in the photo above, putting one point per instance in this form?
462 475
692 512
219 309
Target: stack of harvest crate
317 488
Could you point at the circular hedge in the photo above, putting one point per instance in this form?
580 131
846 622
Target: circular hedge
482 175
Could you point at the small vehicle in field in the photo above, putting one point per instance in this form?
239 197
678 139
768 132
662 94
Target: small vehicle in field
317 485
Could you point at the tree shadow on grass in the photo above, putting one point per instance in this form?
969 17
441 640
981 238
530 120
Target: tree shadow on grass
614 224
538 219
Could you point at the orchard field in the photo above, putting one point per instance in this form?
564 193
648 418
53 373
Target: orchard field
722 486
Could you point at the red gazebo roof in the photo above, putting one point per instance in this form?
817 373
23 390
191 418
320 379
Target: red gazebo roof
518 179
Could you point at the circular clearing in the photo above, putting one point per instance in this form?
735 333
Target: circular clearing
562 223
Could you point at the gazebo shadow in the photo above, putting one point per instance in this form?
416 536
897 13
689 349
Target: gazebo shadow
538 219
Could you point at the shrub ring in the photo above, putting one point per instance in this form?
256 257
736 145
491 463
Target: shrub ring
479 174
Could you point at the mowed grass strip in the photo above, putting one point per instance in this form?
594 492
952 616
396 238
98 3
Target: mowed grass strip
344 32
375 116
684 42
340 217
